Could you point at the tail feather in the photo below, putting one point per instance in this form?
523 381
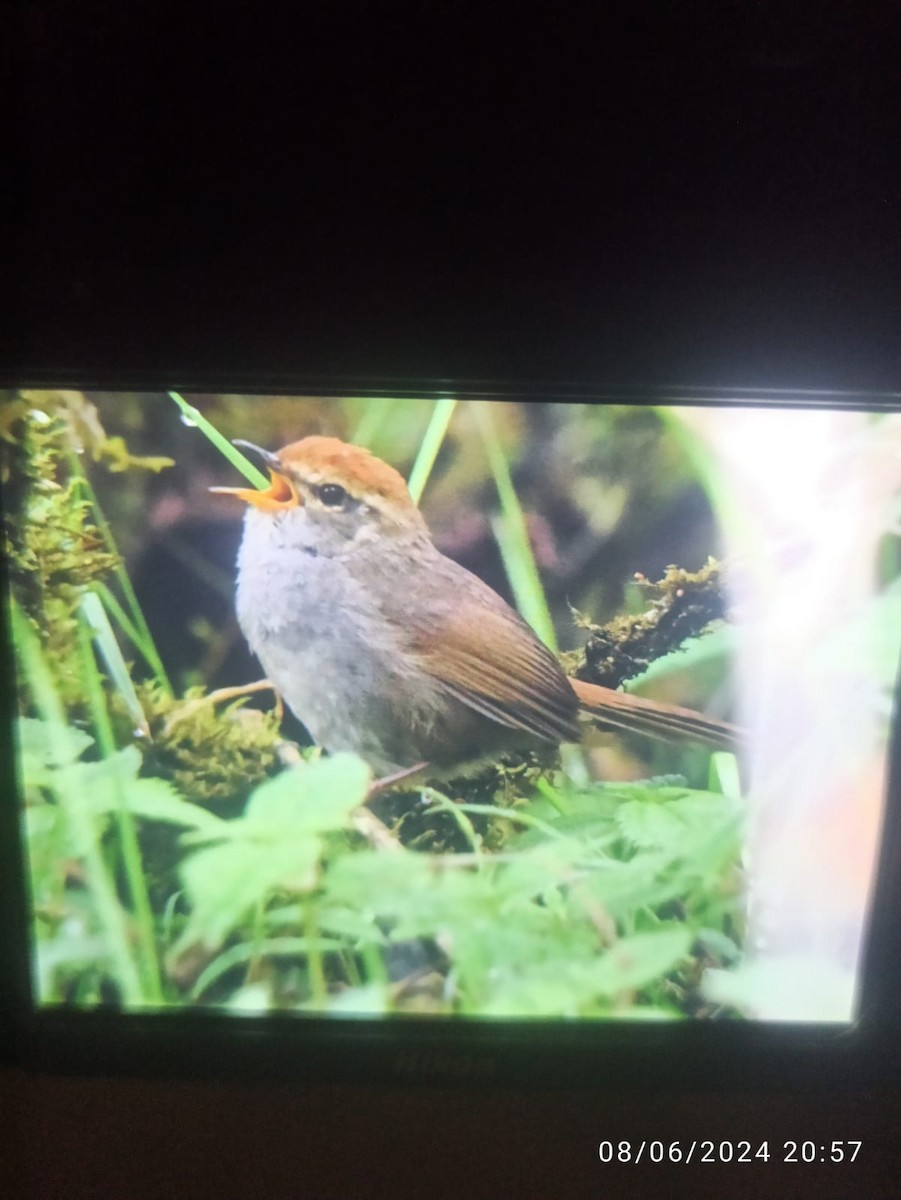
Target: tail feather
635 714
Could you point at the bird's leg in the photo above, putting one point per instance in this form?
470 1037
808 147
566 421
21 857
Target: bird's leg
220 696
388 781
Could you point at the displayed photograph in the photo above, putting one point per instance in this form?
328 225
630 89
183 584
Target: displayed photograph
456 706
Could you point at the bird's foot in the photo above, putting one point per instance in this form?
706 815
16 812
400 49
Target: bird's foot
220 696
388 781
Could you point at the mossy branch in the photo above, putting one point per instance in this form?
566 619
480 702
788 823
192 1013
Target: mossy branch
683 605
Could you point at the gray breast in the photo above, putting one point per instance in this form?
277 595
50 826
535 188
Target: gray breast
331 654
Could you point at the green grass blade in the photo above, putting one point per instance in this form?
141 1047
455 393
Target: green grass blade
429 447
725 776
94 615
112 918
377 410
455 810
118 614
144 640
547 790
193 416
285 947
315 960
513 536
128 837
515 815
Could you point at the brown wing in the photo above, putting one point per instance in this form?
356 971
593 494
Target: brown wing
508 675
511 677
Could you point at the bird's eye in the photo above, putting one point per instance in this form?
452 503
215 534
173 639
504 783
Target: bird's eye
332 495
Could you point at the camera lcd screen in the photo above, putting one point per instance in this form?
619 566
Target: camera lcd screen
296 728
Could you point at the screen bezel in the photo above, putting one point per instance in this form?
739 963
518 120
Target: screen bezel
464 1051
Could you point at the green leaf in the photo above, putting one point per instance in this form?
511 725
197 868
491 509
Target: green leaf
649 825
100 787
275 845
46 744
157 800
622 887
429 447
637 961
540 869
351 925
92 791
717 945
225 882
574 980
535 989
379 883
315 798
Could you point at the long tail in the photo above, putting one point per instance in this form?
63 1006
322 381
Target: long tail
634 714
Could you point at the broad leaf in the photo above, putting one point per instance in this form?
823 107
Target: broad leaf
314 798
225 882
44 745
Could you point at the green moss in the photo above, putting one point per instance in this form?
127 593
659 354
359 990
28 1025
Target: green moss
54 550
56 543
214 756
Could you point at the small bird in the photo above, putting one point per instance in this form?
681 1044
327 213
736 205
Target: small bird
381 645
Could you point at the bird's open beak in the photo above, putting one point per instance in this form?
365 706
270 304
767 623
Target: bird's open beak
281 493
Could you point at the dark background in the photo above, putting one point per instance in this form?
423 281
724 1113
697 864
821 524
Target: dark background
673 193
669 193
